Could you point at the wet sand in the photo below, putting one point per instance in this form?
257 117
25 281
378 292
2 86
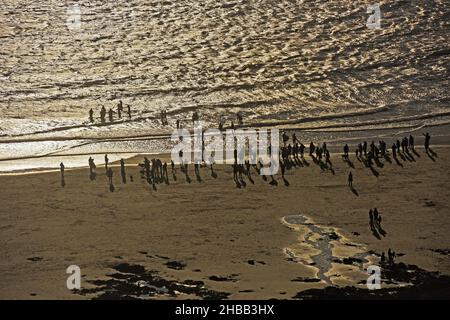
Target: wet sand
210 239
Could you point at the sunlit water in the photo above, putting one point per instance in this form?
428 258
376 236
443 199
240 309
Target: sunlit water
312 65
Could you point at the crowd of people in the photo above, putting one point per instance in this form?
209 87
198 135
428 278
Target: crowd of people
292 151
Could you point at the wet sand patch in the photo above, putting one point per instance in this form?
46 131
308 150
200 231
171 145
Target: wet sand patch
131 281
326 250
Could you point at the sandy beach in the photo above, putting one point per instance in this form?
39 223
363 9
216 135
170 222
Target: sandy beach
209 239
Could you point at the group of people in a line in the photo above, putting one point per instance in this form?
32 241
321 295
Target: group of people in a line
110 113
155 171
405 146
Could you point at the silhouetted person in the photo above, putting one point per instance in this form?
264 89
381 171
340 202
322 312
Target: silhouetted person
63 180
129 111
328 158
411 142
350 179
391 257
427 142
311 148
394 151
120 109
106 162
122 171
91 115
180 155
111 115
285 138
239 118
302 149
196 169
92 168
346 149
103 114
295 139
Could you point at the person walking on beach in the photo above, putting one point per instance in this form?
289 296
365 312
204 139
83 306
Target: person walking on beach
122 171
411 142
63 180
394 151
350 179
328 159
172 164
91 115
427 142
312 147
62 167
106 162
165 173
346 149
92 167
295 139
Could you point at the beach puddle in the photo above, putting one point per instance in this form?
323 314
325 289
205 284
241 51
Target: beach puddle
336 259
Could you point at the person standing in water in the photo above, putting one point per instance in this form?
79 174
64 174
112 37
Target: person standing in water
129 111
91 115
120 109
111 115
103 114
